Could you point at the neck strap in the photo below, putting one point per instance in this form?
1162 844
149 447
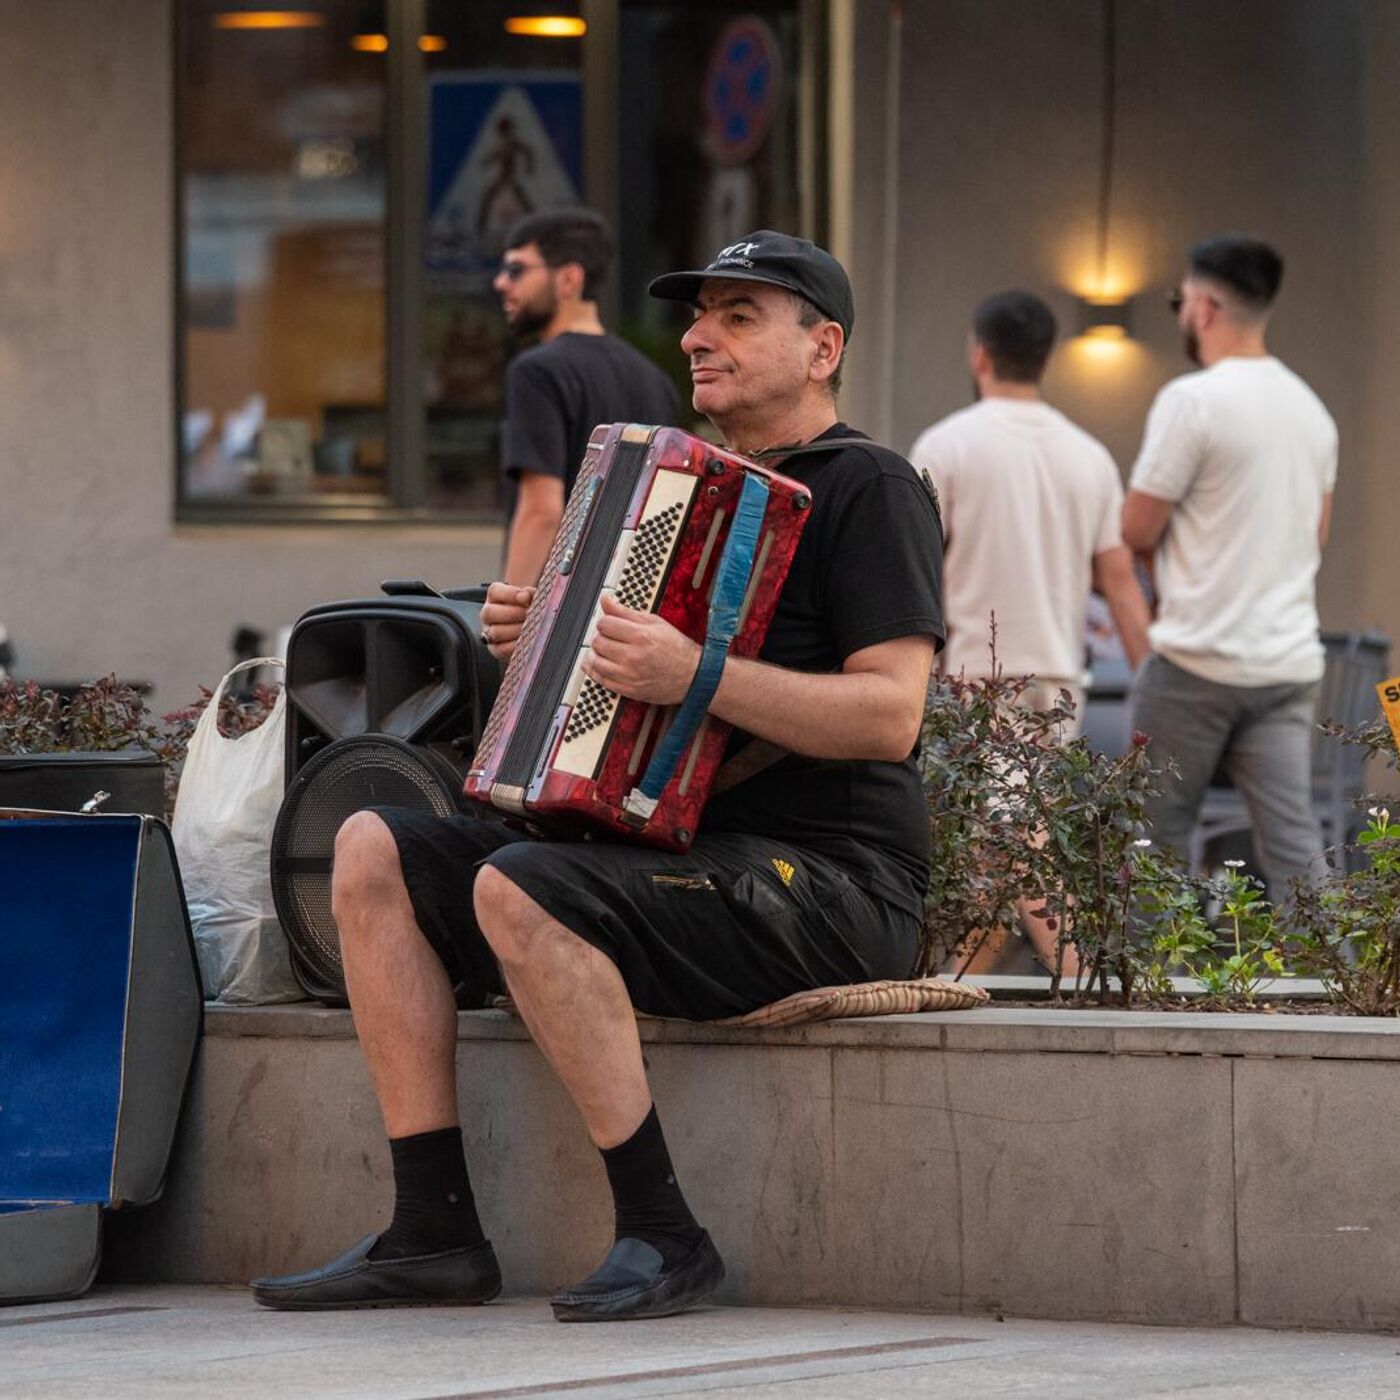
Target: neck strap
794 449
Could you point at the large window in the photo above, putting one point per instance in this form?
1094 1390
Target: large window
283 156
348 170
711 105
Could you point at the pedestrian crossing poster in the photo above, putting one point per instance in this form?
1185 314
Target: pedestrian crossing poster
502 145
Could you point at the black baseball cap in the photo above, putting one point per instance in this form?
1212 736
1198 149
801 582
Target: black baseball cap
780 260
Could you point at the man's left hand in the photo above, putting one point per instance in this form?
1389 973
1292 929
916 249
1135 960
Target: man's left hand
640 655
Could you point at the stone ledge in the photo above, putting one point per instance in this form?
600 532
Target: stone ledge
1124 1166
989 1030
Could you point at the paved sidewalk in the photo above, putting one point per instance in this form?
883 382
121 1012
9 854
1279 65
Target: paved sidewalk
154 1343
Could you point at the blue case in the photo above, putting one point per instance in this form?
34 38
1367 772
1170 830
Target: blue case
100 1014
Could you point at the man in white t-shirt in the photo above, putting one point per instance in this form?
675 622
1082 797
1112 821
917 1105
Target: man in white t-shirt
1031 507
1232 495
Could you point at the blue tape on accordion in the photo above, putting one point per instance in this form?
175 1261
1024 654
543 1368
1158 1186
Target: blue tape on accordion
731 584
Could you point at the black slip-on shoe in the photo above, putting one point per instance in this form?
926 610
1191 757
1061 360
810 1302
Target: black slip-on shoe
454 1276
634 1282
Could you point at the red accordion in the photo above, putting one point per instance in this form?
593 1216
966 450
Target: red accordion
669 524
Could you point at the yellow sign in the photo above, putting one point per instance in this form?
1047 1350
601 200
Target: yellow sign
1389 692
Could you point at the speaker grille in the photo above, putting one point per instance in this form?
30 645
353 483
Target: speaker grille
372 770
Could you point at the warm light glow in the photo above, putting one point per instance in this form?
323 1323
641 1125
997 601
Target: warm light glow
379 43
270 19
1099 349
1105 333
1123 273
547 26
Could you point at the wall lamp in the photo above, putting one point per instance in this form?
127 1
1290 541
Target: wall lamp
1105 318
1102 317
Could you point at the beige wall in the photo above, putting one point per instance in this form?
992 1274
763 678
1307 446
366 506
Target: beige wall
1239 116
94 575
1275 115
1371 528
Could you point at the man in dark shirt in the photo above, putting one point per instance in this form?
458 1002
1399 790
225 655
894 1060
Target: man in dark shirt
809 874
578 375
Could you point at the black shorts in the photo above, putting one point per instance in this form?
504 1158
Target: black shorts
737 922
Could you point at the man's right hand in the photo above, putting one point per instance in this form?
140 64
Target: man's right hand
502 616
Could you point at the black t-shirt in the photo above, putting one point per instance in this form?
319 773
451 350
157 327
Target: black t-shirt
868 569
558 392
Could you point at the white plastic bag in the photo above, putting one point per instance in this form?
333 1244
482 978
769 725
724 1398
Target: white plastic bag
229 794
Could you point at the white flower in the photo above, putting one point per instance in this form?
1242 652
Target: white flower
1382 812
1142 843
1235 864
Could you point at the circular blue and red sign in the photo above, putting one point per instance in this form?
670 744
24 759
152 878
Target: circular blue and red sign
742 89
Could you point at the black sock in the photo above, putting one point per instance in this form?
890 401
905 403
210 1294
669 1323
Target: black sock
648 1202
434 1208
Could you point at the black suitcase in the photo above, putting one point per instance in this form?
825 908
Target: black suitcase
133 779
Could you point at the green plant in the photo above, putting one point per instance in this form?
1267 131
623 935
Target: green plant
1170 930
1345 928
980 755
1246 951
1090 809
1015 814
1172 933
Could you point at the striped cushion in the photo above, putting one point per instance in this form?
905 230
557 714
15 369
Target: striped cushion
833 1003
863 999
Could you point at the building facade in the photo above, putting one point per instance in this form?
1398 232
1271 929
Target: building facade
249 363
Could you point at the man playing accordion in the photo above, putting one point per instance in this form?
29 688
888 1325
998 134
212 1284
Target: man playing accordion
809 873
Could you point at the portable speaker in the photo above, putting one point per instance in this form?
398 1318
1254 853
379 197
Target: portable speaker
410 664
386 699
351 774
101 1007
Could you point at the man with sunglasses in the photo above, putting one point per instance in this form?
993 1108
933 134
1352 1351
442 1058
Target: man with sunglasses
576 377
1231 496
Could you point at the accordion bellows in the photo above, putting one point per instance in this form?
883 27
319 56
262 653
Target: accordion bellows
670 524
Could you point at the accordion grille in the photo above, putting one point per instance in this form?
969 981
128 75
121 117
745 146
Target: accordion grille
516 667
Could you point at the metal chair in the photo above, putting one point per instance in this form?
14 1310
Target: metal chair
1356 662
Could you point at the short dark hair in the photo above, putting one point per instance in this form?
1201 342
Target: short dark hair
569 236
1017 329
809 314
1249 267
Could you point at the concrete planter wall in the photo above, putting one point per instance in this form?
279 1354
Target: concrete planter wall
1146 1167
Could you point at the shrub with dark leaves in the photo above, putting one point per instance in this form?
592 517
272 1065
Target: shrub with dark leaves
107 715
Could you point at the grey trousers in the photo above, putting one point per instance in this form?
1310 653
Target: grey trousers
1263 735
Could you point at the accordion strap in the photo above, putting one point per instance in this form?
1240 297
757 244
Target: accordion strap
731 583
754 758
796 449
774 454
